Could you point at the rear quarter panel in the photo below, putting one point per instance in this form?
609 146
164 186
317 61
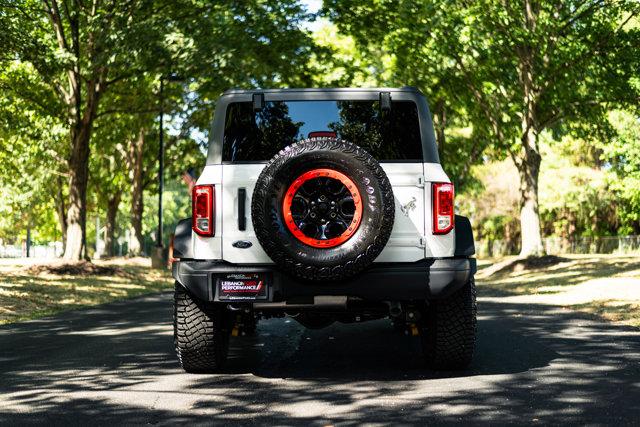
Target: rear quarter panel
437 245
211 247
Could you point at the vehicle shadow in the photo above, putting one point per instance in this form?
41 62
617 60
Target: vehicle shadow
115 364
531 364
374 351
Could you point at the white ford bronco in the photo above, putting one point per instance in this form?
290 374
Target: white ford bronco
324 205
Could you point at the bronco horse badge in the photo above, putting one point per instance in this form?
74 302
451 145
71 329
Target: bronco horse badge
409 206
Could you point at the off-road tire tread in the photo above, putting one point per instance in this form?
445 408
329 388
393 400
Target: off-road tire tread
262 228
200 336
449 330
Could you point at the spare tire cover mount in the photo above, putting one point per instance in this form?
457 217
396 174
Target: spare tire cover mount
322 208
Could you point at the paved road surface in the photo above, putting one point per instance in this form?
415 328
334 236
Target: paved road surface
115 365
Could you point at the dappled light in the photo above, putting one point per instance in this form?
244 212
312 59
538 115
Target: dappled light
543 365
607 285
26 295
185 183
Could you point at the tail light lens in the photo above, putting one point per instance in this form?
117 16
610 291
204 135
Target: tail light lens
203 204
442 193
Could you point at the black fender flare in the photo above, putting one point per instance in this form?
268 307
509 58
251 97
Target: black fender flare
182 239
464 237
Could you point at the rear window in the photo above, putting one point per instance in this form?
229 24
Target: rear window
258 135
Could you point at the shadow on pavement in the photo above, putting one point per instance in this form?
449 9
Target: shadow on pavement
115 364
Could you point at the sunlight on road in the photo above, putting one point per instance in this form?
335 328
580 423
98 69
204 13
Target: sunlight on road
607 285
116 362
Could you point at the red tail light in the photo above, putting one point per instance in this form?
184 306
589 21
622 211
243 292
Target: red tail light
203 204
442 193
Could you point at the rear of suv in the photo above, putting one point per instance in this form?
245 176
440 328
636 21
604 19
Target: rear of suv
325 205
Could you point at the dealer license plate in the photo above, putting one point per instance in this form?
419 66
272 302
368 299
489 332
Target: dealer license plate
242 286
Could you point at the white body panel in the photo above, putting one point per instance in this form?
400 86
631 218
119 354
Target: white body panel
437 246
408 228
211 247
411 238
234 177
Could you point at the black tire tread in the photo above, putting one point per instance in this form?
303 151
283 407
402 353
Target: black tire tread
200 337
449 330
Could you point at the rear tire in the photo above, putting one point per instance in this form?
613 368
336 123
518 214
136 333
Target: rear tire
201 333
449 330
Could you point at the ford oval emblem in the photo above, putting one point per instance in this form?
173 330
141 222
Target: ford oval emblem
242 244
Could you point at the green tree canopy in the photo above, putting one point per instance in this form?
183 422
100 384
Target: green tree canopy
511 69
60 61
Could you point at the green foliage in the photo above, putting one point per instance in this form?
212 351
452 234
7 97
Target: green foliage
176 206
230 44
492 203
32 141
579 196
622 154
56 55
468 58
579 203
338 61
509 71
494 72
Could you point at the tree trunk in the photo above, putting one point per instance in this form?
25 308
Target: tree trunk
81 113
528 159
61 212
136 151
112 211
529 171
76 247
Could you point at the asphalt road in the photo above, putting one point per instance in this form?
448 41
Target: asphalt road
114 364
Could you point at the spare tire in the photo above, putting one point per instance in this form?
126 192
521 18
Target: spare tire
323 209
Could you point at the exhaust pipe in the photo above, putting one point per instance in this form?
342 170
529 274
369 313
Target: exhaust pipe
319 302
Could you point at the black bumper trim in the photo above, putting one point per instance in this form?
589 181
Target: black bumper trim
426 279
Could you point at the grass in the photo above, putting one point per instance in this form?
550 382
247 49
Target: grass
612 310
605 285
25 295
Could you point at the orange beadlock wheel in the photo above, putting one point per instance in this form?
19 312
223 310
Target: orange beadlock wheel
322 208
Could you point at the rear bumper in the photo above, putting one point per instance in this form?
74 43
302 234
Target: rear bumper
425 279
